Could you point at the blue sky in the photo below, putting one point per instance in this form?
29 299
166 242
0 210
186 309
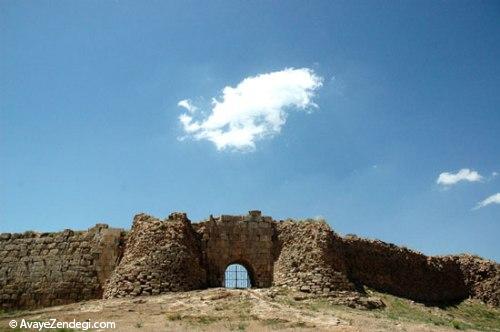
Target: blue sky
90 130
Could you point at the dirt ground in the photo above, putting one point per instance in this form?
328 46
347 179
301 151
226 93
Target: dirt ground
259 310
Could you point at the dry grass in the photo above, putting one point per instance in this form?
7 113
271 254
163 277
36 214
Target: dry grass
265 310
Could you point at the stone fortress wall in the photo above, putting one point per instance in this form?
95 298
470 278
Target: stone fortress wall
173 254
44 269
410 274
309 260
160 256
247 240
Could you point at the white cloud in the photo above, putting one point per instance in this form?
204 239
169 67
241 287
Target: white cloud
465 174
255 109
186 103
493 199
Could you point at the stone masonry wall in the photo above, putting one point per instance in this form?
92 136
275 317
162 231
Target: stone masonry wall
43 269
246 240
307 260
481 276
403 272
160 256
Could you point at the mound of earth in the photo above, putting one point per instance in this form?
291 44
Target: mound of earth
269 309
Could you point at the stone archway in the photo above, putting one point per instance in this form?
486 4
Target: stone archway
245 240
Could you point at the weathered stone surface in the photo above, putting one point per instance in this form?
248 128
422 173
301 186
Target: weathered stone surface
308 260
158 256
246 240
481 276
38 270
404 272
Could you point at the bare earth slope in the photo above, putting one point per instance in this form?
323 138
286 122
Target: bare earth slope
221 309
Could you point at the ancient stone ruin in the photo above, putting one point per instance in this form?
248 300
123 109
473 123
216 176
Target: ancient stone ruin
172 255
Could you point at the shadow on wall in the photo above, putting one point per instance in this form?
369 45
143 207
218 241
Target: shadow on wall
428 279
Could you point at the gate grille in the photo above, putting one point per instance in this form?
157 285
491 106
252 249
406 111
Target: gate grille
236 276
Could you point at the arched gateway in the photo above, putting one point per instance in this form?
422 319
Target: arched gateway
171 255
177 255
244 240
